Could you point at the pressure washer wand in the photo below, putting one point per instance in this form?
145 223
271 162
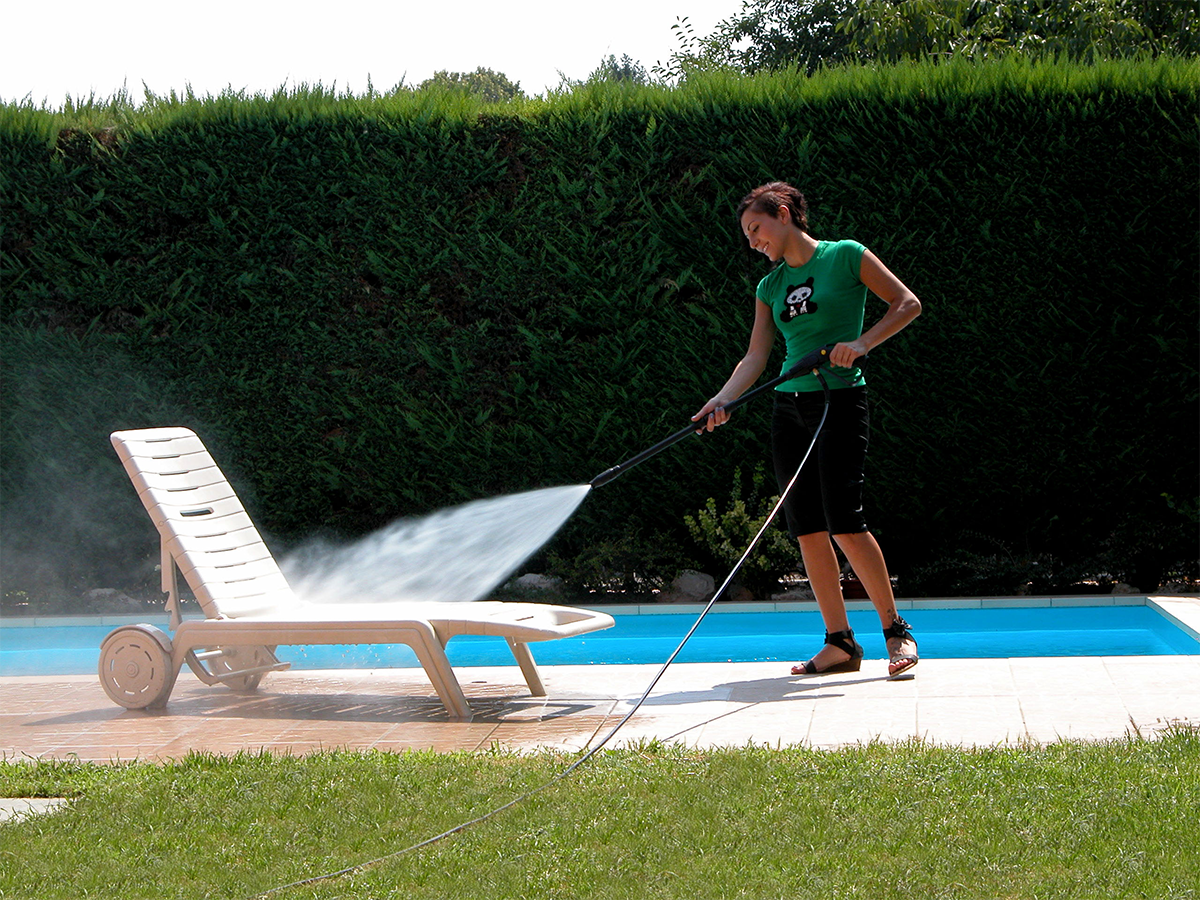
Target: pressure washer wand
812 361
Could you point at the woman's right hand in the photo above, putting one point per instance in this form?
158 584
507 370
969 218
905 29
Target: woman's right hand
712 413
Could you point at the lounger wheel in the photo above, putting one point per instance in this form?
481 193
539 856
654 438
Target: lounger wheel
136 669
238 668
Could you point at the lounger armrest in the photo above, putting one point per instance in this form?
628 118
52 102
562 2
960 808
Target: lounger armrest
524 622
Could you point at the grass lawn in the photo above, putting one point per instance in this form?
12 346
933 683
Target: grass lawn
1106 820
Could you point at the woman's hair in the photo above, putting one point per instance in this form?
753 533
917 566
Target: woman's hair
769 197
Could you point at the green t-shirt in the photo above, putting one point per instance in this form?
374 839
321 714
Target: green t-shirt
822 302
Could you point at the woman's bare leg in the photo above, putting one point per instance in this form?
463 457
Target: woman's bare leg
825 579
865 557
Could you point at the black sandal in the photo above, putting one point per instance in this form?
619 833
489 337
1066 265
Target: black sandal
844 641
899 633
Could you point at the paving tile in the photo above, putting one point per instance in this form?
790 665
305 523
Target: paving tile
971 721
25 807
1075 717
598 681
563 736
1015 602
780 723
1155 712
964 678
842 714
1059 676
680 724
1089 600
1150 672
699 704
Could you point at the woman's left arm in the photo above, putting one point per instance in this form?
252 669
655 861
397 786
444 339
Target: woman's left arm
903 307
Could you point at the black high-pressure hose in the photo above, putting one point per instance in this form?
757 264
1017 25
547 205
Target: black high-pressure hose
811 362
792 372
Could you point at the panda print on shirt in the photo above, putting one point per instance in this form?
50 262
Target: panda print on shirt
798 301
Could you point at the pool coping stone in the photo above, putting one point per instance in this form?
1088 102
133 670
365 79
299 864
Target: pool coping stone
1182 609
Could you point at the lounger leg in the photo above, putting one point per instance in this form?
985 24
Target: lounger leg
529 668
433 657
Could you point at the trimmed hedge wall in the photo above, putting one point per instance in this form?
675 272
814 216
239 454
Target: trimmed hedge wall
375 307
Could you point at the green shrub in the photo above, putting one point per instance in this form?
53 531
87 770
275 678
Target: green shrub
724 534
629 567
379 306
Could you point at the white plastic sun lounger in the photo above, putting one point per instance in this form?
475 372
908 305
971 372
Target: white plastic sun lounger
249 608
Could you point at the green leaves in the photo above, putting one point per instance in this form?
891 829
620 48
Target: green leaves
723 532
382 305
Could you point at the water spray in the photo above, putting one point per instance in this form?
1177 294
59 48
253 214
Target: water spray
463 553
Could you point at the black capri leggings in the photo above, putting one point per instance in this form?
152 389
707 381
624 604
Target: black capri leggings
828 494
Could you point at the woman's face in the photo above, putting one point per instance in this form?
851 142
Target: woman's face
768 234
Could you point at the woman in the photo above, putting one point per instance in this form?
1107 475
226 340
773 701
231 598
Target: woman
816 295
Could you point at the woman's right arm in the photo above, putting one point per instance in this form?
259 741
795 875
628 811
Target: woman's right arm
746 372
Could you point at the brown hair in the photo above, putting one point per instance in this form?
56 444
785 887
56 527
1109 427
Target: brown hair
769 198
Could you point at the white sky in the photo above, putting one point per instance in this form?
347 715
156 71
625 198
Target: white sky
81 47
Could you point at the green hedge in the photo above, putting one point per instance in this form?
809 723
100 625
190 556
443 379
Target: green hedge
375 307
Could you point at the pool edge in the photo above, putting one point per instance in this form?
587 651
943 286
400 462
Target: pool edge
1184 602
1181 609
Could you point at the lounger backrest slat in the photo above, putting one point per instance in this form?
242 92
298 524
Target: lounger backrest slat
178 480
209 528
213 501
202 522
214 553
265 594
162 461
159 447
233 573
261 585
201 519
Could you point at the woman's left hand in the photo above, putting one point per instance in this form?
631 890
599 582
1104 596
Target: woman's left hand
844 354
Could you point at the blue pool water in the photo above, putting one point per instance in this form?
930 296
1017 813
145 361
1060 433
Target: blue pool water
721 637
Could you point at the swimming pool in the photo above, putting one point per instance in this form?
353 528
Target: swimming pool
722 637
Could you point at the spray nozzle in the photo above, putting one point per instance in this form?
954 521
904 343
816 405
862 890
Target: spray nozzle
606 476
